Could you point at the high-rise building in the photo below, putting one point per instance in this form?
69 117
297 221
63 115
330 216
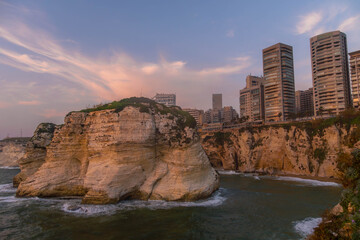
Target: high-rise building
355 77
279 86
252 99
217 101
228 114
304 103
166 99
330 73
198 115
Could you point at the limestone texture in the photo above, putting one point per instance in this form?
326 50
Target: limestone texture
11 150
109 155
278 150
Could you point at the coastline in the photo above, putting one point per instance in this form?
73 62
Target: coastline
322 179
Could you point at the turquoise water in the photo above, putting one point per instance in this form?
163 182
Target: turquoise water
245 207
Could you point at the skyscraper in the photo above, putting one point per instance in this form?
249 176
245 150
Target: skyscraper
304 103
330 72
355 77
279 87
252 99
217 101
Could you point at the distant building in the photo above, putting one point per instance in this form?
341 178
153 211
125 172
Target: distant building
304 103
166 99
279 86
330 73
213 116
252 99
228 114
198 115
217 101
355 77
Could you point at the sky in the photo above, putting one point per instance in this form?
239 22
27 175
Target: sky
60 56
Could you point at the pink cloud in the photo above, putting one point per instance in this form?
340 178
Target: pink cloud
29 103
50 113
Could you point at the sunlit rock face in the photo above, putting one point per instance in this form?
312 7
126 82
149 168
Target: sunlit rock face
278 150
11 150
109 155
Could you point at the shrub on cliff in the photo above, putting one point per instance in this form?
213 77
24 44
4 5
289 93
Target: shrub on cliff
147 105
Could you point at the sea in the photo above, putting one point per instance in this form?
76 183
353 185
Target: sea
245 207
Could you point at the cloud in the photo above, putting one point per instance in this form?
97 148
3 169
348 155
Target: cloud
349 24
29 103
308 22
111 77
51 113
230 34
4 105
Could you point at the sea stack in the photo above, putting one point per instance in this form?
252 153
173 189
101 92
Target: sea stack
130 149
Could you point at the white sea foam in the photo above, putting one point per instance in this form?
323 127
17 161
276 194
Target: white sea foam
7 188
308 182
5 167
306 227
228 172
90 210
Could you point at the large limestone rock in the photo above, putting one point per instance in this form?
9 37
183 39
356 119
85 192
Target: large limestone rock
106 156
277 150
11 150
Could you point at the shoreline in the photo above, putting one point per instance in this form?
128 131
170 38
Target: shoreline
322 179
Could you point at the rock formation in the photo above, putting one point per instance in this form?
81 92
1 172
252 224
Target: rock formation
11 150
278 150
142 151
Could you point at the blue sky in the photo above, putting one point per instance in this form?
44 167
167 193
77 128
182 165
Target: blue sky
59 56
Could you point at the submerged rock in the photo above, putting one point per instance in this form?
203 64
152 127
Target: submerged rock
142 151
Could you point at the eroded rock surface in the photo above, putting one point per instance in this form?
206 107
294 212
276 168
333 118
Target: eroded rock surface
11 150
278 150
106 156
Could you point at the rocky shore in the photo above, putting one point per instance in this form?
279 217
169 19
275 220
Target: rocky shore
11 150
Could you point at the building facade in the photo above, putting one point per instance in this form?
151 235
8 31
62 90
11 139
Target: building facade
166 99
228 114
279 86
304 103
217 101
355 77
198 115
252 99
330 73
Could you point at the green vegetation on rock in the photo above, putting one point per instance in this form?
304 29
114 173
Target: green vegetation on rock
146 105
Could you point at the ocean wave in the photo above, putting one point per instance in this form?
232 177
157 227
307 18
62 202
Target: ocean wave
306 227
308 182
90 210
5 167
7 188
228 172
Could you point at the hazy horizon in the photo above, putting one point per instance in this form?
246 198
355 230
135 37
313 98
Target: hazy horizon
60 56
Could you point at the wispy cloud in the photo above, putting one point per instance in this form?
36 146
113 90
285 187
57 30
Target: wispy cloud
350 24
308 22
51 113
334 17
116 76
29 103
230 33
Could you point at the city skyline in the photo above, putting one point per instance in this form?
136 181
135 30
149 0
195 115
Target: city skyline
58 57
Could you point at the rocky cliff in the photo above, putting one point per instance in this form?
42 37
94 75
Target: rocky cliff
283 149
127 149
11 150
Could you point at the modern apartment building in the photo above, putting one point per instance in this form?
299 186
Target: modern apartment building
279 86
252 99
355 77
304 103
228 114
330 73
166 99
197 114
217 101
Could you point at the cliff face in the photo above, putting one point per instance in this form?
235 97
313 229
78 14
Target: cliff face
11 150
106 156
278 150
